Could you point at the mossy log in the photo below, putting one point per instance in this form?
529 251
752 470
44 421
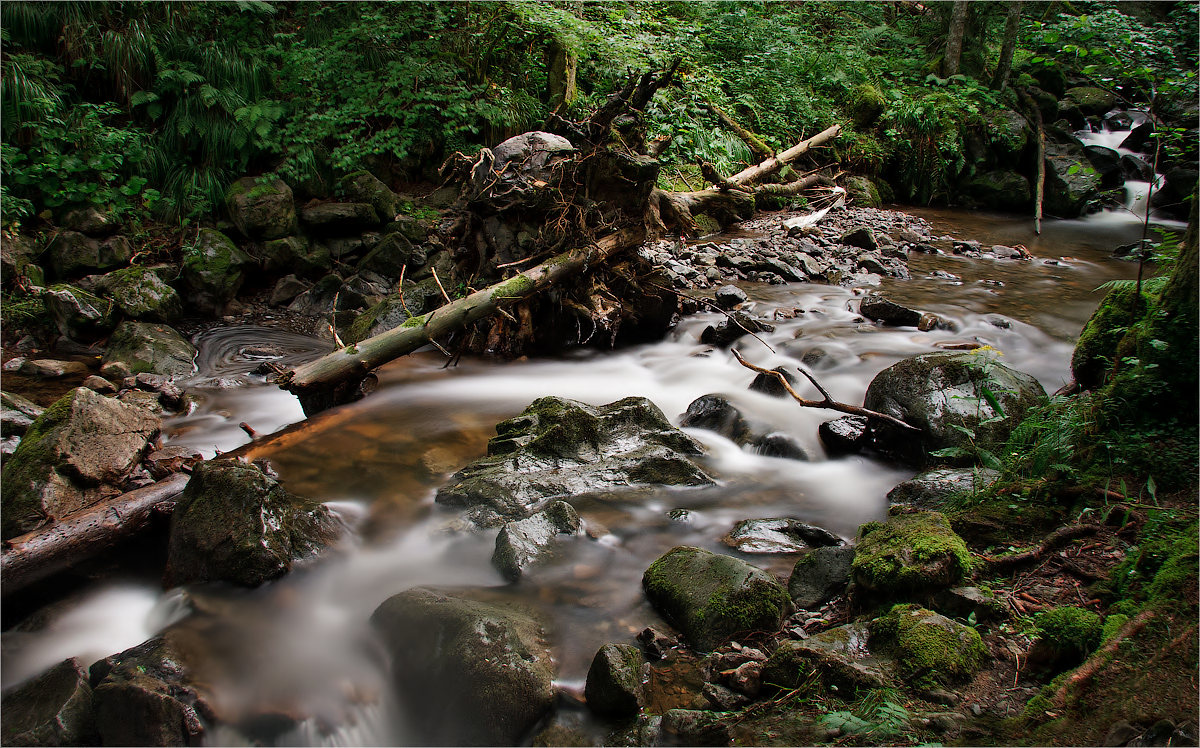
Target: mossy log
316 383
83 534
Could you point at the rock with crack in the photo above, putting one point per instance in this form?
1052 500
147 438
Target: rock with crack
558 448
526 542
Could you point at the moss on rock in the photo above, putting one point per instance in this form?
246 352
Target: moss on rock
910 552
1070 631
1096 351
930 649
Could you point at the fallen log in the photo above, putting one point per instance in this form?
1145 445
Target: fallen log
83 534
314 383
775 163
1056 539
756 145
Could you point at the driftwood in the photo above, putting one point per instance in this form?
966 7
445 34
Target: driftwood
83 534
313 381
828 402
775 163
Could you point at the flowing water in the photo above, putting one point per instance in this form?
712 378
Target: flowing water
301 646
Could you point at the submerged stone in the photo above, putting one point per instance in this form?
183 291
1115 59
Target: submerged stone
527 541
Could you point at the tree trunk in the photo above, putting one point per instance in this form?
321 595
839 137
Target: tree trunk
314 381
1012 24
954 37
561 74
760 149
83 534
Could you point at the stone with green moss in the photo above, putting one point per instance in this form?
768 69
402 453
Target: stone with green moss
1071 181
1091 100
999 189
865 104
1067 634
614 681
213 271
389 258
559 448
1096 350
149 347
78 314
930 650
909 553
68 455
840 657
711 597
941 487
262 209
236 524
468 672
364 187
141 293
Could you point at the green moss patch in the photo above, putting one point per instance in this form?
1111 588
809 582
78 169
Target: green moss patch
929 648
910 552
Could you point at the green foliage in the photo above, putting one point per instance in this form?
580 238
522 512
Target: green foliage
880 717
1161 570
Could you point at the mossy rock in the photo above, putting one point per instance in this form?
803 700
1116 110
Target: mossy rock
78 445
262 209
468 672
939 488
839 656
141 293
389 258
1071 181
54 708
236 524
363 186
930 650
1067 634
153 348
213 271
912 552
1096 350
711 597
614 681
71 253
999 190
1091 100
78 314
865 104
863 192
1009 134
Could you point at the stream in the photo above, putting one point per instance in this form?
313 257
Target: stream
301 646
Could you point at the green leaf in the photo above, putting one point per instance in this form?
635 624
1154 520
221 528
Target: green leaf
991 399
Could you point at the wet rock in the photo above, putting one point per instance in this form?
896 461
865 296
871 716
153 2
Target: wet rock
235 524
1091 100
79 443
840 655
364 187
941 393
1107 163
213 271
778 535
693 727
963 602
656 643
820 575
55 708
861 237
1172 197
527 541
560 447
286 289
614 681
910 552
71 253
936 489
728 297
779 444
930 321
737 325
17 414
1139 138
339 218
710 597
845 435
171 459
262 209
46 368
318 300
769 385
1071 182
140 293
79 314
930 649
715 413
147 696
876 307
1136 169
469 673
148 347
389 258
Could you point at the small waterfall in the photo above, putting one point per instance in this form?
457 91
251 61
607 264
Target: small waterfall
1137 192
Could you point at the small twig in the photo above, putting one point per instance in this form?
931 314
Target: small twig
400 291
828 402
438 280
337 341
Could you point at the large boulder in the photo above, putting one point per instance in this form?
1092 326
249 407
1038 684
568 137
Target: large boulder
78 314
910 552
468 673
715 413
148 695
930 650
559 448
614 681
261 209
298 255
389 258
1090 100
961 402
140 293
213 271
1172 197
364 187
71 253
999 190
236 524
70 456
148 347
55 708
1071 181
711 597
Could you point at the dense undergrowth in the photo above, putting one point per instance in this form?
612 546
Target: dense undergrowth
151 110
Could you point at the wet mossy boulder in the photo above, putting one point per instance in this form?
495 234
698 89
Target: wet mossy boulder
1090 100
1096 350
141 293
364 187
952 398
78 314
999 189
147 695
1071 181
936 489
70 457
468 672
1066 636
930 650
1009 133
840 657
558 448
262 209
864 105
152 348
910 552
614 681
298 255
55 708
236 524
1173 197
213 271
711 597
526 542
